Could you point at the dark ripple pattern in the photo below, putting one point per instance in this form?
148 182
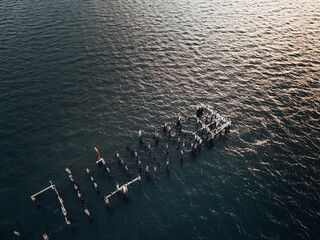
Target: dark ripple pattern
78 74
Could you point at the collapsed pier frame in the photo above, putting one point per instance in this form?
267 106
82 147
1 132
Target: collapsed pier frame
54 188
123 188
215 127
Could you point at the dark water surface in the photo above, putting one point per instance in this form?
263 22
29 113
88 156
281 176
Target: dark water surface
79 74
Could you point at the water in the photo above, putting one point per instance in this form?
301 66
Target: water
79 74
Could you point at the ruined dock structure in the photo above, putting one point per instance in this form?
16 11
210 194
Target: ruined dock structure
187 136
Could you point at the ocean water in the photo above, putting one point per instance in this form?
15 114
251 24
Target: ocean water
80 74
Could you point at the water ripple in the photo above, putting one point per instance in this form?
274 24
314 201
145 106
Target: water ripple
78 74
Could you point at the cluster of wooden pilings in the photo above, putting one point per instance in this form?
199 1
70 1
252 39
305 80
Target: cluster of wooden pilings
188 136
